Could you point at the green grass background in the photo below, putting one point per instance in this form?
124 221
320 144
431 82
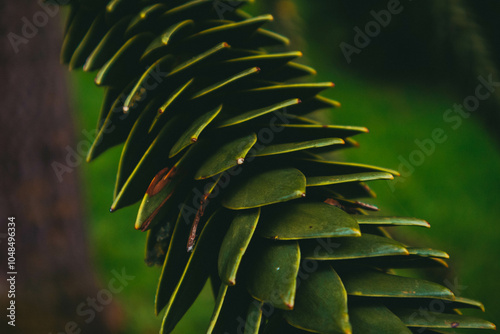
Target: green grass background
455 189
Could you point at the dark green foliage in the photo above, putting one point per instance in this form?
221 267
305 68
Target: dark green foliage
234 184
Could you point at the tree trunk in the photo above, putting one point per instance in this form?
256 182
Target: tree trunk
54 275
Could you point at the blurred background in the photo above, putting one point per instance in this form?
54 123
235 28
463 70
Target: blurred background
404 69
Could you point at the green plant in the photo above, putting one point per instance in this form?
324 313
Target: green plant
216 141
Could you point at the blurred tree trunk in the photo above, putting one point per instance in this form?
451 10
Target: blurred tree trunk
54 274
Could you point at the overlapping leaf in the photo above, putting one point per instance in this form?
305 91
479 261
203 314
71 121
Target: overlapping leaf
212 122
